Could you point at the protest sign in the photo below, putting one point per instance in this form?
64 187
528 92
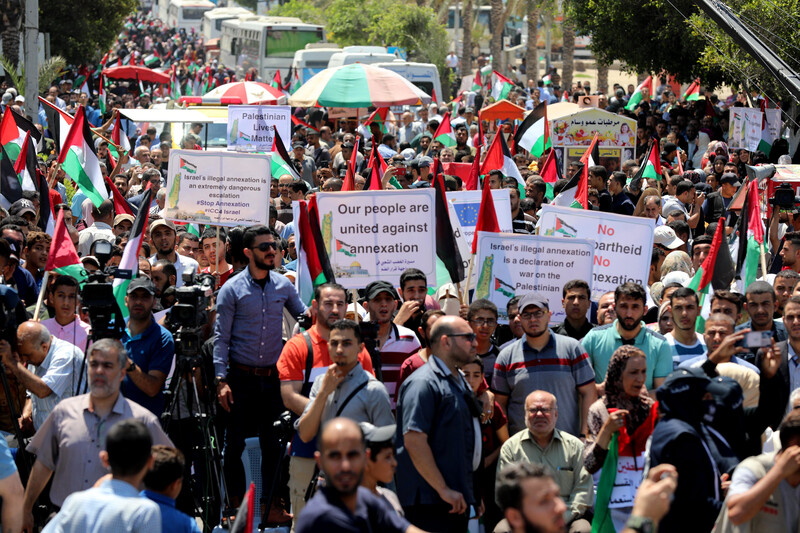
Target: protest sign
511 265
218 188
250 127
745 127
376 235
623 244
467 204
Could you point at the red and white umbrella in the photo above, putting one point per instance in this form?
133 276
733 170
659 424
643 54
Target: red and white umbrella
238 93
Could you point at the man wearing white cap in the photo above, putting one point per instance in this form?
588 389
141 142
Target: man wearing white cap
665 238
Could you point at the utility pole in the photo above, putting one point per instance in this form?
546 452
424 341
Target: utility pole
32 59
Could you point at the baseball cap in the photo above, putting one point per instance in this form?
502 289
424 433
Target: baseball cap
730 178
22 206
424 161
533 298
311 131
120 218
665 236
378 433
142 283
20 99
90 259
298 144
377 287
162 222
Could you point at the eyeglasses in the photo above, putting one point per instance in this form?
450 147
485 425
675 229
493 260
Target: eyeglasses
544 410
484 321
469 336
264 246
535 314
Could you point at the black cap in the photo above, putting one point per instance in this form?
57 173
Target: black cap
298 144
377 287
730 178
142 283
670 147
533 298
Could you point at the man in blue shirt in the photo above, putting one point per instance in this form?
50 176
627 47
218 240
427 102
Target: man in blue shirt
150 348
163 483
247 344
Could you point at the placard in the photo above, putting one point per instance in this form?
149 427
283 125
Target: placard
218 188
250 127
467 205
623 244
744 130
511 264
376 235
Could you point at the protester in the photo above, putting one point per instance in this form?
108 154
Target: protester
163 482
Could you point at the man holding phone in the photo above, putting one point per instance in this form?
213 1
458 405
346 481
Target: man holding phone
760 305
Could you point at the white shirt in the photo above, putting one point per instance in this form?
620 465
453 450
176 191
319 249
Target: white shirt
452 60
182 264
60 371
96 232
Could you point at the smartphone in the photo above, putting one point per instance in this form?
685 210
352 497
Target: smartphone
756 339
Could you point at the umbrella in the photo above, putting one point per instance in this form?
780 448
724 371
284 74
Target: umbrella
129 72
238 93
357 85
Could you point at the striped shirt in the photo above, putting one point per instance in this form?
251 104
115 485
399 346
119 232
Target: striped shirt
401 344
559 368
682 352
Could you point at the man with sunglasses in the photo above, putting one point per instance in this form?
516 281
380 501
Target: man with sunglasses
438 434
543 360
247 345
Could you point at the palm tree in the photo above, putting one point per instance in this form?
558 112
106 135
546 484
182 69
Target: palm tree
10 18
602 76
568 53
466 42
532 51
496 44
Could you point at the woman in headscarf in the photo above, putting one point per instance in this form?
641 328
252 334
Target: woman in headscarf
676 261
629 412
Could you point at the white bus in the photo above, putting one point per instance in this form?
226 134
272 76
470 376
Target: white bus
213 19
187 14
424 76
313 59
265 43
361 54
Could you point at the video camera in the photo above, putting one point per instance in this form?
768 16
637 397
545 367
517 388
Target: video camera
190 313
784 197
97 297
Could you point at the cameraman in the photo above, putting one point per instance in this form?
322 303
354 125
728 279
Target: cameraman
309 350
163 237
246 349
150 348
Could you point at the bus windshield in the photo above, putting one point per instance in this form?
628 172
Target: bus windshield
193 13
284 43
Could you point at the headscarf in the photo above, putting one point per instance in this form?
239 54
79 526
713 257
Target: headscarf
86 212
676 261
615 396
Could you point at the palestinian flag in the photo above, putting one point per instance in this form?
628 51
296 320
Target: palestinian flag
58 122
377 166
474 179
591 157
297 122
245 516
295 83
765 144
487 216
119 139
498 157
444 133
174 84
477 85
280 162
101 96
625 453
349 183
188 166
702 282
550 173
446 245
576 192
692 92
639 94
344 248
565 229
79 160
12 132
26 166
502 86
10 187
751 237
564 96
63 258
46 220
130 256
314 267
651 168
534 133
503 288
276 81
121 206
379 117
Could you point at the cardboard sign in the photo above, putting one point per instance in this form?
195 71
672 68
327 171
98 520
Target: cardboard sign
250 127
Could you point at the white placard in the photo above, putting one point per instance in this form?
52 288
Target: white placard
250 127
467 204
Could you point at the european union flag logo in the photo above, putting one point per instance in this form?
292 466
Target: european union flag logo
467 213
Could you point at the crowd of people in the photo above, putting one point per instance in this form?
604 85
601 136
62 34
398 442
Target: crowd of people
409 409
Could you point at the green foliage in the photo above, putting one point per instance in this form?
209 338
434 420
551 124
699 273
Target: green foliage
48 72
350 23
302 9
83 29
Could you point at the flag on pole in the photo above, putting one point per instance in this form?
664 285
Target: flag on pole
446 245
280 162
651 168
130 256
534 133
751 237
379 117
477 85
564 96
349 183
63 258
444 133
80 162
119 139
473 181
10 187
487 216
313 266
46 219
276 81
502 86
639 94
245 516
101 98
576 192
12 132
26 165
374 178
498 157
295 83
121 206
703 281
58 122
692 92
550 173
765 144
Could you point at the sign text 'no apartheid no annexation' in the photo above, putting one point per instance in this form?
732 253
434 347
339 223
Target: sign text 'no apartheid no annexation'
511 264
250 127
218 188
376 235
623 244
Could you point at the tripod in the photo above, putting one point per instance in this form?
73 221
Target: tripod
188 368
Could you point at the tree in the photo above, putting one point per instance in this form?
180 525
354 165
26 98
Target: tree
9 26
81 30
302 9
532 51
496 43
568 52
466 43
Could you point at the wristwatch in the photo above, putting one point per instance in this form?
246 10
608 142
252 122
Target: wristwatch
220 379
640 524
132 366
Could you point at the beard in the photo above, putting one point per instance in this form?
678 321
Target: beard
262 265
624 325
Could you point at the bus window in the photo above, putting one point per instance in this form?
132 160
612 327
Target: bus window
193 13
284 43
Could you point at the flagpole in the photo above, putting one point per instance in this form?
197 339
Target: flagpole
41 296
469 277
216 255
763 255
354 294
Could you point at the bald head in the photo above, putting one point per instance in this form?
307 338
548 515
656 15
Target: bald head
339 429
447 325
342 455
34 332
541 413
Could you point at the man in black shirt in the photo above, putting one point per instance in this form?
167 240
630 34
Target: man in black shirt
621 204
576 299
598 178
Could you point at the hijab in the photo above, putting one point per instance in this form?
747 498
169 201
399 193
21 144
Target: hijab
616 397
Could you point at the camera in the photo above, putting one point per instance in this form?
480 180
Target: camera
190 313
284 425
98 298
784 197
304 321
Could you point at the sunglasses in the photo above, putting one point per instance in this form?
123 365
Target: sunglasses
469 336
265 246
